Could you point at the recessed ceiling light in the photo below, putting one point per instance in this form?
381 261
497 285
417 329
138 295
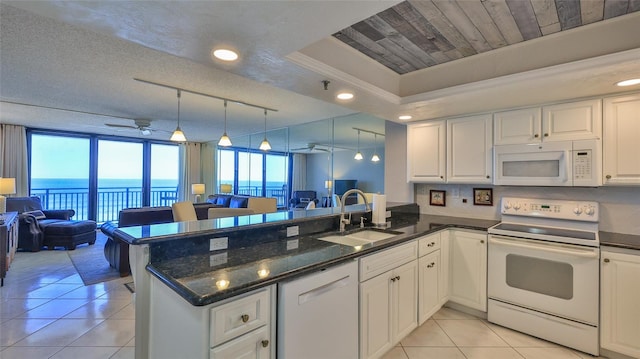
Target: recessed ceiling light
225 54
345 96
628 82
404 117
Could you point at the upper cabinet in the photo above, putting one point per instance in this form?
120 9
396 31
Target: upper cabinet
426 152
453 151
469 143
621 141
579 120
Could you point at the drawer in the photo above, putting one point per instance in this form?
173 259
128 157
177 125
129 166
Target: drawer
256 344
428 244
381 262
240 316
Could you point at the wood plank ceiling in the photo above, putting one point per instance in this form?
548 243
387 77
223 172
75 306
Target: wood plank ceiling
417 34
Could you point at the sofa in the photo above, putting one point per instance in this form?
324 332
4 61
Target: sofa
301 199
40 227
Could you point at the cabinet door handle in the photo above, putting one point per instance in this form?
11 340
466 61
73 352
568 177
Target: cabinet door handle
244 318
608 176
488 176
398 277
431 265
606 260
482 241
546 135
441 177
265 343
393 279
536 135
431 244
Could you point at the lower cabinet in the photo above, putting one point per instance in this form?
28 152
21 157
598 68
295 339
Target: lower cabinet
620 298
468 269
239 327
388 305
429 301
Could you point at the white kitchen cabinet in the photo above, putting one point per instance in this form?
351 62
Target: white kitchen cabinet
621 143
468 269
620 295
580 120
469 149
443 280
388 302
426 152
517 126
238 327
428 296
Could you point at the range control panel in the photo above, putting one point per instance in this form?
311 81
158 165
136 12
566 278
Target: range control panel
547 208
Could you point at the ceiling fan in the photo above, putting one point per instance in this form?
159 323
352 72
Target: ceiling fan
311 147
142 125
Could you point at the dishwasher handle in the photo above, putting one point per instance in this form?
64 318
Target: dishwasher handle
584 253
323 289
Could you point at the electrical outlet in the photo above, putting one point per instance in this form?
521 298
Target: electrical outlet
293 231
216 244
455 192
464 200
218 259
292 244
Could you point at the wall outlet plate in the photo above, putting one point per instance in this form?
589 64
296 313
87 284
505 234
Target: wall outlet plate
293 231
216 244
292 244
217 259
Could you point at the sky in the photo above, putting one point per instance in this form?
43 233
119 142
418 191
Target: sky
68 157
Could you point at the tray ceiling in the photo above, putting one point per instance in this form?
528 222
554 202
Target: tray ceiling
418 34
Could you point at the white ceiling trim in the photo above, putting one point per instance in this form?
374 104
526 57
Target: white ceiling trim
323 69
593 64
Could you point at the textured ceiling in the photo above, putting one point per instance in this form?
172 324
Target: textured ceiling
417 34
82 56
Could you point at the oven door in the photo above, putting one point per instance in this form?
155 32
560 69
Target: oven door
553 278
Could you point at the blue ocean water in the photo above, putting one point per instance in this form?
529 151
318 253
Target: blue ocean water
83 183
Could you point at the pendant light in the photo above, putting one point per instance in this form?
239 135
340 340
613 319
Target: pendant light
225 141
375 157
358 155
178 135
265 145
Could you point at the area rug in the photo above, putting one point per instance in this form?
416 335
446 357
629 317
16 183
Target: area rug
90 262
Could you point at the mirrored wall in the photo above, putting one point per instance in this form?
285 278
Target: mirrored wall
319 157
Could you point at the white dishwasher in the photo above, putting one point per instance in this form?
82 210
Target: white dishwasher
318 315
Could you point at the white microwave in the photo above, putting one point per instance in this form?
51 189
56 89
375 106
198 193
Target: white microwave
562 163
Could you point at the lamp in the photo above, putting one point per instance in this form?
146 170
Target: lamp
178 135
358 155
225 188
375 157
225 141
265 145
197 189
327 185
7 186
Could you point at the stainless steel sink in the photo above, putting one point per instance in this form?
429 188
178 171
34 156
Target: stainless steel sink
359 238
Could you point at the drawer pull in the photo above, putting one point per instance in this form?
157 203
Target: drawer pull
482 241
606 260
546 135
398 277
393 279
536 135
431 265
431 244
265 343
244 318
608 176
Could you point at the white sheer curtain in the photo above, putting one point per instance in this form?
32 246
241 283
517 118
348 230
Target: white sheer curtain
13 156
299 174
189 170
208 166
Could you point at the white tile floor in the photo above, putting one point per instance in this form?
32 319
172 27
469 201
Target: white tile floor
47 312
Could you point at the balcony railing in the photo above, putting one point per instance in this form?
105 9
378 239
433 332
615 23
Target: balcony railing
112 199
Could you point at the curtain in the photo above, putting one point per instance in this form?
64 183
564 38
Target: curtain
299 174
189 170
208 165
13 156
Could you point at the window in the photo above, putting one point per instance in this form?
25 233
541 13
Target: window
254 173
97 176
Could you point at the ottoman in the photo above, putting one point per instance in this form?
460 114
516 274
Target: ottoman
68 234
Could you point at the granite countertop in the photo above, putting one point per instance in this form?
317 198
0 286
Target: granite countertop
620 240
205 278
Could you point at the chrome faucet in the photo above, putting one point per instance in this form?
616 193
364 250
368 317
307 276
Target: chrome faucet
343 219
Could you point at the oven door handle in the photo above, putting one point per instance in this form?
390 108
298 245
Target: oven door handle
585 253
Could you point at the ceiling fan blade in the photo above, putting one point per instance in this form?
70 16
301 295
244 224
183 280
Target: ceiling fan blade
120 126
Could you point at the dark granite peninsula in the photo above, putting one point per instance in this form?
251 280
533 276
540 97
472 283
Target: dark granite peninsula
182 269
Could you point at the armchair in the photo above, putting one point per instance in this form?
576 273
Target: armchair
300 199
33 220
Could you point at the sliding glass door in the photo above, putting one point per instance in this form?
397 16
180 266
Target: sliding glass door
165 166
119 177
